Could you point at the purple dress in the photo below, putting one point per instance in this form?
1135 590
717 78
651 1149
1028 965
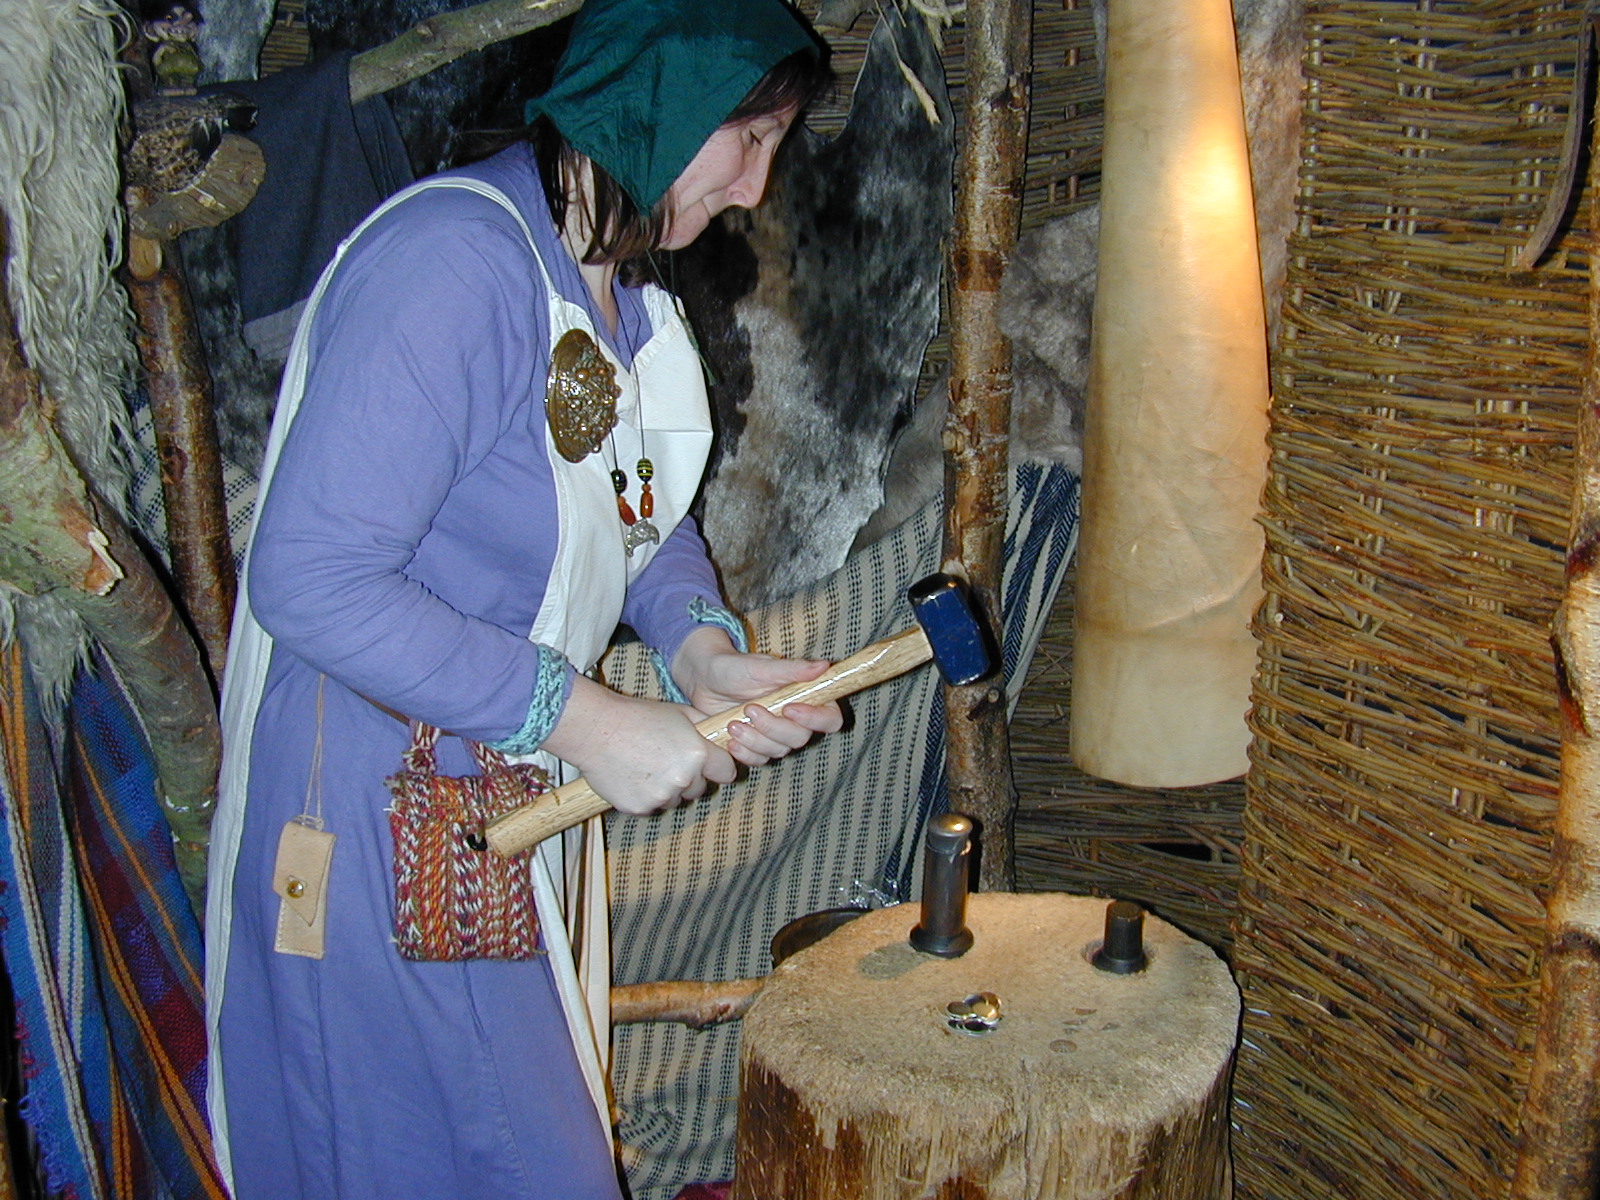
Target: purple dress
403 551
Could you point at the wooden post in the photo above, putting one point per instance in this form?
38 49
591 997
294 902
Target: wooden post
178 384
1560 1116
977 470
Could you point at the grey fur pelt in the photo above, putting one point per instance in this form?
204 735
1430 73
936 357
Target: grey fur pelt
1046 310
231 33
814 312
1269 33
244 386
61 97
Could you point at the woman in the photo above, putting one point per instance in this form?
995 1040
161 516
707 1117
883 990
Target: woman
457 514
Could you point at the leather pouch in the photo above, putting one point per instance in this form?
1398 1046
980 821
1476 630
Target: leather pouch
300 878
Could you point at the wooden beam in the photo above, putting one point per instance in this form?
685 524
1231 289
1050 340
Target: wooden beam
685 1001
446 37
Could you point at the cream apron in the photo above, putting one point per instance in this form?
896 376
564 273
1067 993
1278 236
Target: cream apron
581 608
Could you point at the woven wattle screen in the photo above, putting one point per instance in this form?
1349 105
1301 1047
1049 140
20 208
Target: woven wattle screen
1404 765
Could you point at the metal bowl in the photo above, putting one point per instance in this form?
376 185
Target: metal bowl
810 929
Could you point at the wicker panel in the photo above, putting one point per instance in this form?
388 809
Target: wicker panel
1405 759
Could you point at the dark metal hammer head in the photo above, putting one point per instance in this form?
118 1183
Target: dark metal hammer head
962 648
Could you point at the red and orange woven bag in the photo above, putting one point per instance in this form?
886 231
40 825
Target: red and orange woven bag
454 898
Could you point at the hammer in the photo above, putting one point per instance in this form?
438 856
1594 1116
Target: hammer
947 631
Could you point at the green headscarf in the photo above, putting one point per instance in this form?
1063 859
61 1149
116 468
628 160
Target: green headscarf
644 83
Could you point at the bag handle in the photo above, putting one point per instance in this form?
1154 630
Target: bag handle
420 756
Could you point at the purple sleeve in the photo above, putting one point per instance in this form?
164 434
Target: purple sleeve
658 604
421 350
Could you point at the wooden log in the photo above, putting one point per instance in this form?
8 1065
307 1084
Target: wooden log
988 212
225 186
854 1087
49 535
53 538
1559 1153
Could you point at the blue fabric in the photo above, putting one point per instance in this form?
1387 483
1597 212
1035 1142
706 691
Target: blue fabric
42 934
147 954
413 508
103 953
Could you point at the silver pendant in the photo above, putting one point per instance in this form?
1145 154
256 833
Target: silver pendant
640 532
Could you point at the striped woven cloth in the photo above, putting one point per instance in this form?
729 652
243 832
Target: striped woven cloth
103 952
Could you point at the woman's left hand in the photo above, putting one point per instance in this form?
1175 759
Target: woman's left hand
716 677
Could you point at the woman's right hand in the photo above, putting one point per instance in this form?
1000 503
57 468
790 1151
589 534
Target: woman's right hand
640 756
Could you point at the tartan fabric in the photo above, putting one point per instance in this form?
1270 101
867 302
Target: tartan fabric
42 934
102 951
146 952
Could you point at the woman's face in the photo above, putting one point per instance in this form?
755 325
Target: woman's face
730 171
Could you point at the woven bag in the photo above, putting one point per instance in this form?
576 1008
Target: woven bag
454 898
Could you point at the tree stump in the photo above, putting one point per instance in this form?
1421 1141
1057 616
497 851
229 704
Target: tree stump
1093 1086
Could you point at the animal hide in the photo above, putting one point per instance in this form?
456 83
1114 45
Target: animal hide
813 313
1046 309
1269 34
432 115
231 33
62 98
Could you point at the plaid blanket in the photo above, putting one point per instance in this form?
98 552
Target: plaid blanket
103 952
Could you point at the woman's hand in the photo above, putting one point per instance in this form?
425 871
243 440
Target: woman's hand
716 677
640 756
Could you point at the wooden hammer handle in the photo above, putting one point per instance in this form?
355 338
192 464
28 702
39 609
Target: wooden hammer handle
573 803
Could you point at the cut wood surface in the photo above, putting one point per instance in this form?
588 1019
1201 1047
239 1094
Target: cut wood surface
853 1087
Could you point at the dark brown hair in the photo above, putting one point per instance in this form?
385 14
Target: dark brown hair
619 230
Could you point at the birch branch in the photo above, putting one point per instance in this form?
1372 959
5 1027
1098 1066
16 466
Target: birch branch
1560 1116
977 471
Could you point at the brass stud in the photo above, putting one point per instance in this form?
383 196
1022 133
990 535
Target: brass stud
296 888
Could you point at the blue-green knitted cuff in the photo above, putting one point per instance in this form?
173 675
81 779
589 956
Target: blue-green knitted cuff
701 612
549 693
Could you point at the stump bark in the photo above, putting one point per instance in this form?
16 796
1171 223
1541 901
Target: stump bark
1094 1086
